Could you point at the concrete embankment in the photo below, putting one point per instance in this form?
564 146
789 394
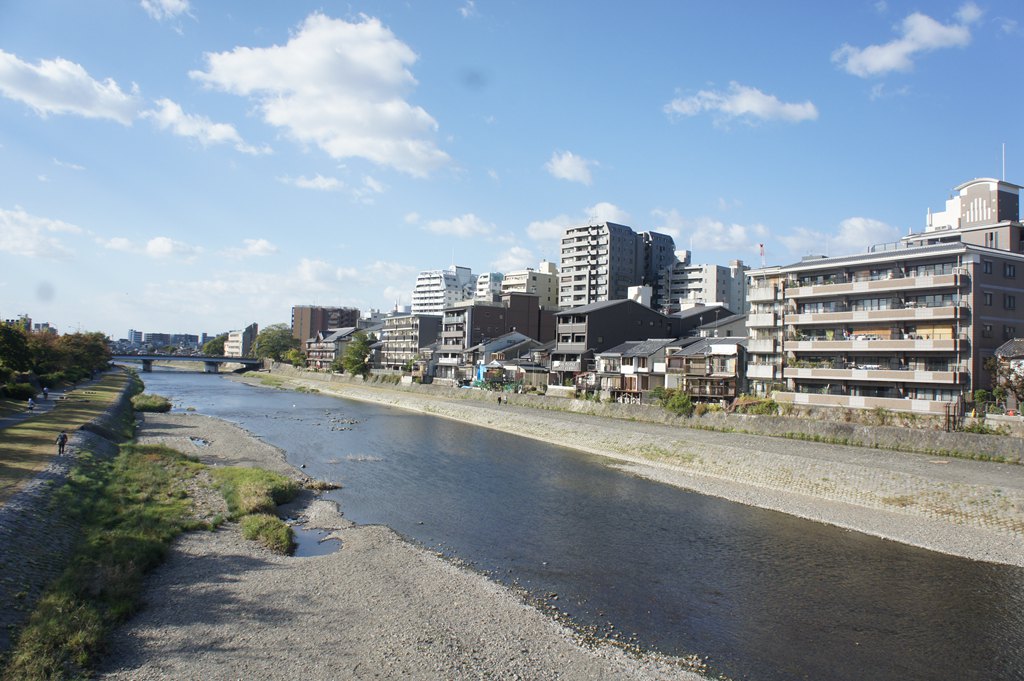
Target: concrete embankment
954 505
36 536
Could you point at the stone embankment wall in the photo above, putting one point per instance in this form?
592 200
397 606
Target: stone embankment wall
36 536
915 436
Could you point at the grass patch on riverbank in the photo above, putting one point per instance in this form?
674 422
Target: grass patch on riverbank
27 447
152 403
130 508
252 495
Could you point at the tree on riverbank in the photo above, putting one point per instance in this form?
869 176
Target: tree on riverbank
215 346
51 358
356 359
274 342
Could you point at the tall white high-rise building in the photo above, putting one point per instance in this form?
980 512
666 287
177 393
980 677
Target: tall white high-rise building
437 289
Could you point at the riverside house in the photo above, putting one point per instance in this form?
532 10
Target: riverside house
582 332
325 347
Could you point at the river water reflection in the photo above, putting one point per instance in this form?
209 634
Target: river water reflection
764 595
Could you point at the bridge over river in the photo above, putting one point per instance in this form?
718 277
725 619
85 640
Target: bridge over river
211 365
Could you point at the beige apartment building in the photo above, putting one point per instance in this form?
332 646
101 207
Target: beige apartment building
905 326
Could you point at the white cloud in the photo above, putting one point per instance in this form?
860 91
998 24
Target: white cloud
71 166
165 247
340 86
854 235
159 248
919 33
468 9
1008 26
464 226
31 236
165 9
716 235
744 103
515 258
200 128
411 218
553 228
59 86
568 166
320 183
252 247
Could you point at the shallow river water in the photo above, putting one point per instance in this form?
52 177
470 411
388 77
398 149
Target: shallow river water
763 595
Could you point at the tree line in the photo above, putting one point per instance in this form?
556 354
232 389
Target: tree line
30 359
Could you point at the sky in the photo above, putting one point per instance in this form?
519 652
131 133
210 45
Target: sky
190 166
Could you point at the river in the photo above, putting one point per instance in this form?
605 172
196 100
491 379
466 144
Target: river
763 595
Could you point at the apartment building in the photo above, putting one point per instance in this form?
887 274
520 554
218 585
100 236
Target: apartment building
765 330
239 343
488 286
683 283
600 262
904 326
541 282
309 320
439 289
403 336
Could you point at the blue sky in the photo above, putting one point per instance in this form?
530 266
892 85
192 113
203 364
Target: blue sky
184 166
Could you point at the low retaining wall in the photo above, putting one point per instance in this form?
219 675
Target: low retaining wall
817 427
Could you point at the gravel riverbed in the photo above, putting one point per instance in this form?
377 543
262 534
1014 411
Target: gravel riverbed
222 607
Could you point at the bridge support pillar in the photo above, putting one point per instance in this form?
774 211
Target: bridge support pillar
147 365
211 367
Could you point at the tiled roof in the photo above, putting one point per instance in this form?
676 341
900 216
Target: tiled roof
1011 349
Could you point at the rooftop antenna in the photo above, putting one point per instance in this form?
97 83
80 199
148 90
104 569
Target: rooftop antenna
1004 161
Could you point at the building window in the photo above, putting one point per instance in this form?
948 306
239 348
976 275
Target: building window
1009 332
987 266
988 299
1009 271
986 330
1010 302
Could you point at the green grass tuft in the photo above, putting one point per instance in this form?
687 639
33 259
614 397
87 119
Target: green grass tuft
252 490
270 531
150 402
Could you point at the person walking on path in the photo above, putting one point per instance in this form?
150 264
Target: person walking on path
62 440
46 393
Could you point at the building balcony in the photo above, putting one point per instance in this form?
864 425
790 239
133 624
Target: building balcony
840 288
564 327
763 345
936 407
762 294
566 366
770 371
875 373
873 345
763 320
906 314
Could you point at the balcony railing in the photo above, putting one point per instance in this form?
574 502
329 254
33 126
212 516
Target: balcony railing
891 315
840 286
